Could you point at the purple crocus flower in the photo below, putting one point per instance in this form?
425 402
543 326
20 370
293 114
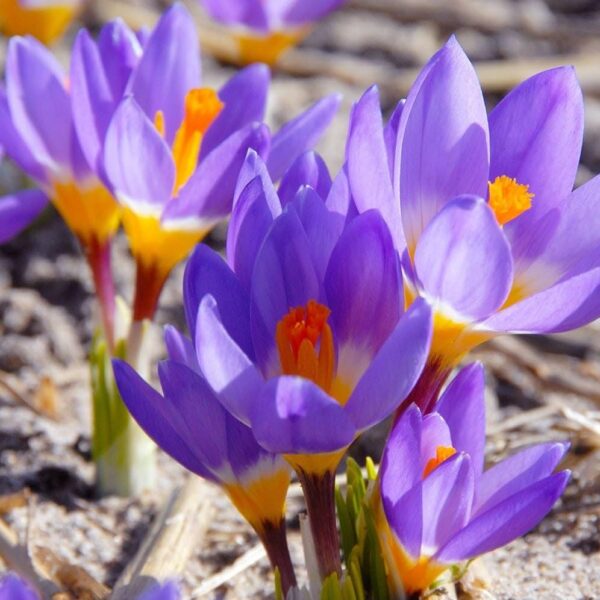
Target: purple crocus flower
301 333
440 508
268 28
189 423
171 150
37 131
482 208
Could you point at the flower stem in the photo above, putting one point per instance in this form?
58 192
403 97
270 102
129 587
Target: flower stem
98 255
274 540
124 456
426 390
149 282
319 494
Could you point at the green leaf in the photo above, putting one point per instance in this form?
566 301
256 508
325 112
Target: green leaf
346 525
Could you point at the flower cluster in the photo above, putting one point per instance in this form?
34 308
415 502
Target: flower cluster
340 301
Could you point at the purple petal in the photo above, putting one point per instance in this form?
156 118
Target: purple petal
401 466
18 210
284 277
245 99
567 305
16 147
447 500
226 367
340 199
180 348
409 532
168 591
536 134
368 164
394 370
300 13
207 273
210 190
463 259
91 96
120 50
12 587
300 134
252 13
254 166
462 405
390 135
294 416
252 217
517 472
564 242
364 289
322 226
169 68
157 417
137 161
442 150
309 169
199 409
508 520
39 103
435 434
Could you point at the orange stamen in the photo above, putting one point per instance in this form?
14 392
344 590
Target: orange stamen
442 453
508 198
305 344
202 107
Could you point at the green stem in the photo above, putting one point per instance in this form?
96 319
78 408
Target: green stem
124 456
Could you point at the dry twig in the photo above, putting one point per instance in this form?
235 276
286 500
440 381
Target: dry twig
169 543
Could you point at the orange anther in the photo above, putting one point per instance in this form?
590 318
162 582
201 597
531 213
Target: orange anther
508 198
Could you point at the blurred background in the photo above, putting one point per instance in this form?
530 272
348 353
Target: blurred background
539 388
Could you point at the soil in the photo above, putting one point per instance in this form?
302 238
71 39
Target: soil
538 388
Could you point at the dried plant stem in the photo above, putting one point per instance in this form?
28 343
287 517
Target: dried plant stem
176 532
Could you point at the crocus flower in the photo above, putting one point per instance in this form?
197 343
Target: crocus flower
189 423
440 508
482 209
302 332
46 20
38 133
172 153
268 28
12 587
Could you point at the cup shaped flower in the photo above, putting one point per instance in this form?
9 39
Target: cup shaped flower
45 20
302 335
495 238
189 423
12 587
37 131
172 153
440 508
268 28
